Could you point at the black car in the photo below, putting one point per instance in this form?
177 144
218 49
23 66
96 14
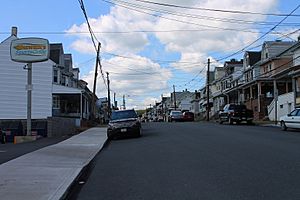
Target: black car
123 123
235 113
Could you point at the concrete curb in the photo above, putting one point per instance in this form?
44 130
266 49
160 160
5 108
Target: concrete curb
48 173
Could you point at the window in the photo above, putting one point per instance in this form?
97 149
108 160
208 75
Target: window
63 80
55 76
281 106
55 102
294 113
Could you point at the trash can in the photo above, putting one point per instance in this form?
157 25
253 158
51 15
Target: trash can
12 129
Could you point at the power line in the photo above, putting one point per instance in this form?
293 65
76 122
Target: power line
203 17
216 10
177 20
93 37
262 36
155 60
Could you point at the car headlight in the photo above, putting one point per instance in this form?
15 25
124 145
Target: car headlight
110 127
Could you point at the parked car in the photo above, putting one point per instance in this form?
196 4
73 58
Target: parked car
188 116
123 123
291 120
235 113
160 119
175 115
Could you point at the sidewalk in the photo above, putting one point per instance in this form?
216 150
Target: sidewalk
267 123
49 172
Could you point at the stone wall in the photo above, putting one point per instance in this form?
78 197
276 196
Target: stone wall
58 126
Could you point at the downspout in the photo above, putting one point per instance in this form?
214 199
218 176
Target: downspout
259 94
81 107
294 88
275 99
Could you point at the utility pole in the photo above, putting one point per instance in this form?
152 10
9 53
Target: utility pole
115 102
108 94
207 91
174 97
124 107
162 108
95 82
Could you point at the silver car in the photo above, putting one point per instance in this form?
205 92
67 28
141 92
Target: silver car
291 120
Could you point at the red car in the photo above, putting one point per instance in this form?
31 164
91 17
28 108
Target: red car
188 116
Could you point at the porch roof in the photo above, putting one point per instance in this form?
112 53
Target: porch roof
60 89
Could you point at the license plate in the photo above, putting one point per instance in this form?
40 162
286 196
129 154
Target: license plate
123 130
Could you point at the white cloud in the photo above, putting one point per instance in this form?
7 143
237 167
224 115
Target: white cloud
193 46
119 20
136 78
203 42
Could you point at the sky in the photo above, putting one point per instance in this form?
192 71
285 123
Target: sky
148 48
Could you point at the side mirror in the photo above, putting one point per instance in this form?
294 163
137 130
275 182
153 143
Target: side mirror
289 115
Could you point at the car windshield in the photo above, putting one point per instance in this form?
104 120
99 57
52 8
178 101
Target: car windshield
237 107
123 114
176 113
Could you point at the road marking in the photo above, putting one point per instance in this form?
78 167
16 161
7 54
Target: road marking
2 151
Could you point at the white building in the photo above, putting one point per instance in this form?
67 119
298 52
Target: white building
57 91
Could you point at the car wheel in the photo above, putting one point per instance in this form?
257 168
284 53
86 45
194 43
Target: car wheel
283 126
109 136
230 121
220 122
139 133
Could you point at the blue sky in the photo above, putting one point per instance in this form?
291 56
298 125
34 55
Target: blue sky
144 71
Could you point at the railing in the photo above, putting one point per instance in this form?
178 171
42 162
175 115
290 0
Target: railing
271 107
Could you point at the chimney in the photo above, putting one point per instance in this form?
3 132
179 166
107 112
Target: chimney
14 31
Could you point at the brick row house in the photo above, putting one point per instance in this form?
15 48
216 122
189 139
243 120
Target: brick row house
266 81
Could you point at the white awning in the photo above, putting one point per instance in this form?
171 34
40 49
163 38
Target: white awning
60 89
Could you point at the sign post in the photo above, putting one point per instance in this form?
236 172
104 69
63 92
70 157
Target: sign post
29 50
29 97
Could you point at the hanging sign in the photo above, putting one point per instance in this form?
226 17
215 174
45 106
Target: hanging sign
29 50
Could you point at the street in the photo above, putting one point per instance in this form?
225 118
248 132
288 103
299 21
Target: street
198 161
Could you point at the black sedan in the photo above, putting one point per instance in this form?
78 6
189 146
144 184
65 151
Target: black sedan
123 123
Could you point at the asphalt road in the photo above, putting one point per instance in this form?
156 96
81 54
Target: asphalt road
198 161
11 151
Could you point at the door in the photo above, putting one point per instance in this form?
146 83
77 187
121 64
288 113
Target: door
292 119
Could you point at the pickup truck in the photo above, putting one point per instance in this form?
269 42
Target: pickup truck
235 113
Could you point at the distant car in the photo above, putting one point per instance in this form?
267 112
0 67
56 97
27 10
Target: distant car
175 115
160 119
123 123
291 120
235 113
188 116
